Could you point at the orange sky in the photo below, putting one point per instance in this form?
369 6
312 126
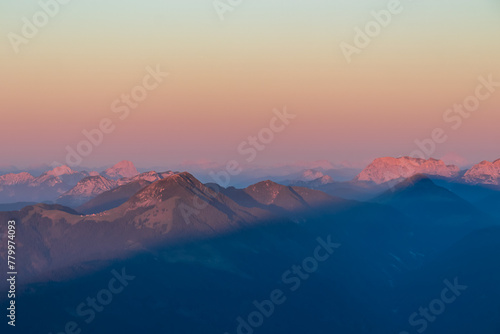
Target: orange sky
227 76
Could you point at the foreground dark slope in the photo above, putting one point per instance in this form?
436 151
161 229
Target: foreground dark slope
439 216
473 263
206 285
421 198
202 276
371 283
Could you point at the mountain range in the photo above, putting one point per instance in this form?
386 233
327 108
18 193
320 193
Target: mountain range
232 246
139 213
154 207
202 256
72 188
387 169
62 184
484 173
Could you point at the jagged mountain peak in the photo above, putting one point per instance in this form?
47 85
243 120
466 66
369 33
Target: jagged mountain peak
313 174
88 187
386 169
15 179
292 198
485 172
122 169
61 170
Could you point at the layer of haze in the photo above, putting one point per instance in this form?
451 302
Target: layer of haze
227 76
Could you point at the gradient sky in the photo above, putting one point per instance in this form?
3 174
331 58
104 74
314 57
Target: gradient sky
227 76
